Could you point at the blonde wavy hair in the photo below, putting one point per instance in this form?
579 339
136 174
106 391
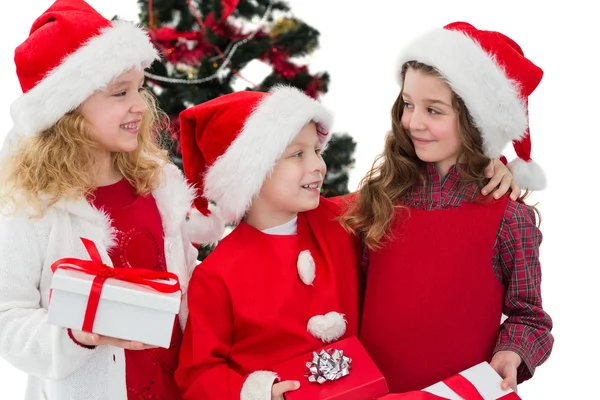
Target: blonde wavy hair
398 169
56 164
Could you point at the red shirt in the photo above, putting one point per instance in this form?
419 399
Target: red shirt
139 244
514 262
249 309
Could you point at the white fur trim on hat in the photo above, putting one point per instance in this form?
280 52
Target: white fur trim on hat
492 98
306 267
94 65
237 176
258 386
328 327
527 174
205 229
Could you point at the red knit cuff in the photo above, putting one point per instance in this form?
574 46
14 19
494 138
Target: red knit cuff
77 343
503 159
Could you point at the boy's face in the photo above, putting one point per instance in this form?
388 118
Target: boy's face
296 181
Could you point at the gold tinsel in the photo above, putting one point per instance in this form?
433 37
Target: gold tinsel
188 69
283 25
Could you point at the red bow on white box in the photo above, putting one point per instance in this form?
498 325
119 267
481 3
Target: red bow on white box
102 272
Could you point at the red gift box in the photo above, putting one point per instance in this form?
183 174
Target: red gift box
364 381
480 382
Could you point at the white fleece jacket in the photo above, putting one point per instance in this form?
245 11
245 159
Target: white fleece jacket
58 368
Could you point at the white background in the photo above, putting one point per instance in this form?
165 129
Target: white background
359 51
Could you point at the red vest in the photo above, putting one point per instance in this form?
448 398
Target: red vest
433 304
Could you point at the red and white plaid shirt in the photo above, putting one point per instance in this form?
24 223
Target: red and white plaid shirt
526 330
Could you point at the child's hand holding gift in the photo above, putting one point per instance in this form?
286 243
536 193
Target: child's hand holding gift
505 363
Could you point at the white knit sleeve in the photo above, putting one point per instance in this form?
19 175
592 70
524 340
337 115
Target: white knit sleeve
26 340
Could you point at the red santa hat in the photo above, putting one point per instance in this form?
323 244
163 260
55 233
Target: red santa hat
71 52
230 144
489 71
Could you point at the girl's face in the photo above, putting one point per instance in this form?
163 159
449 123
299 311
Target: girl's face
295 183
430 119
115 113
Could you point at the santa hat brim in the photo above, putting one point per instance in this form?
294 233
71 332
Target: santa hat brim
237 176
490 96
116 49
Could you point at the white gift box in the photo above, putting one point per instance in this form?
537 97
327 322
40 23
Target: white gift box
483 377
126 310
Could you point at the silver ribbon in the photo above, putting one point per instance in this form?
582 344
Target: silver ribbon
328 365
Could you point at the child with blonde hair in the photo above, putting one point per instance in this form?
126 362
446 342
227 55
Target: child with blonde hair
81 161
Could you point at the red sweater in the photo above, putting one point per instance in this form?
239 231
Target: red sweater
249 308
139 234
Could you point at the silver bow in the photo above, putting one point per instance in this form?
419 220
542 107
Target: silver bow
328 365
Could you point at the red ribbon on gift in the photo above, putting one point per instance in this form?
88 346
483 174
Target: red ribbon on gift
102 272
462 387
459 385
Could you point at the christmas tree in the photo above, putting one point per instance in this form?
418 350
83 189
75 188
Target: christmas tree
206 44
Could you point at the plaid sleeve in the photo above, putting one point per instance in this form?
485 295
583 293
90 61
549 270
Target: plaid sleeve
526 331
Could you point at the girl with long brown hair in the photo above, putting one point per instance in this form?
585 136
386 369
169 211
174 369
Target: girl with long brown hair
444 263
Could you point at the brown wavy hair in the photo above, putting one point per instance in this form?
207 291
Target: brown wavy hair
398 169
56 164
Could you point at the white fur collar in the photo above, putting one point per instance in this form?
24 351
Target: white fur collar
173 198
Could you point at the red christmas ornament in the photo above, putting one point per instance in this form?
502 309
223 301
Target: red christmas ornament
315 88
191 47
188 47
167 34
227 7
279 60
